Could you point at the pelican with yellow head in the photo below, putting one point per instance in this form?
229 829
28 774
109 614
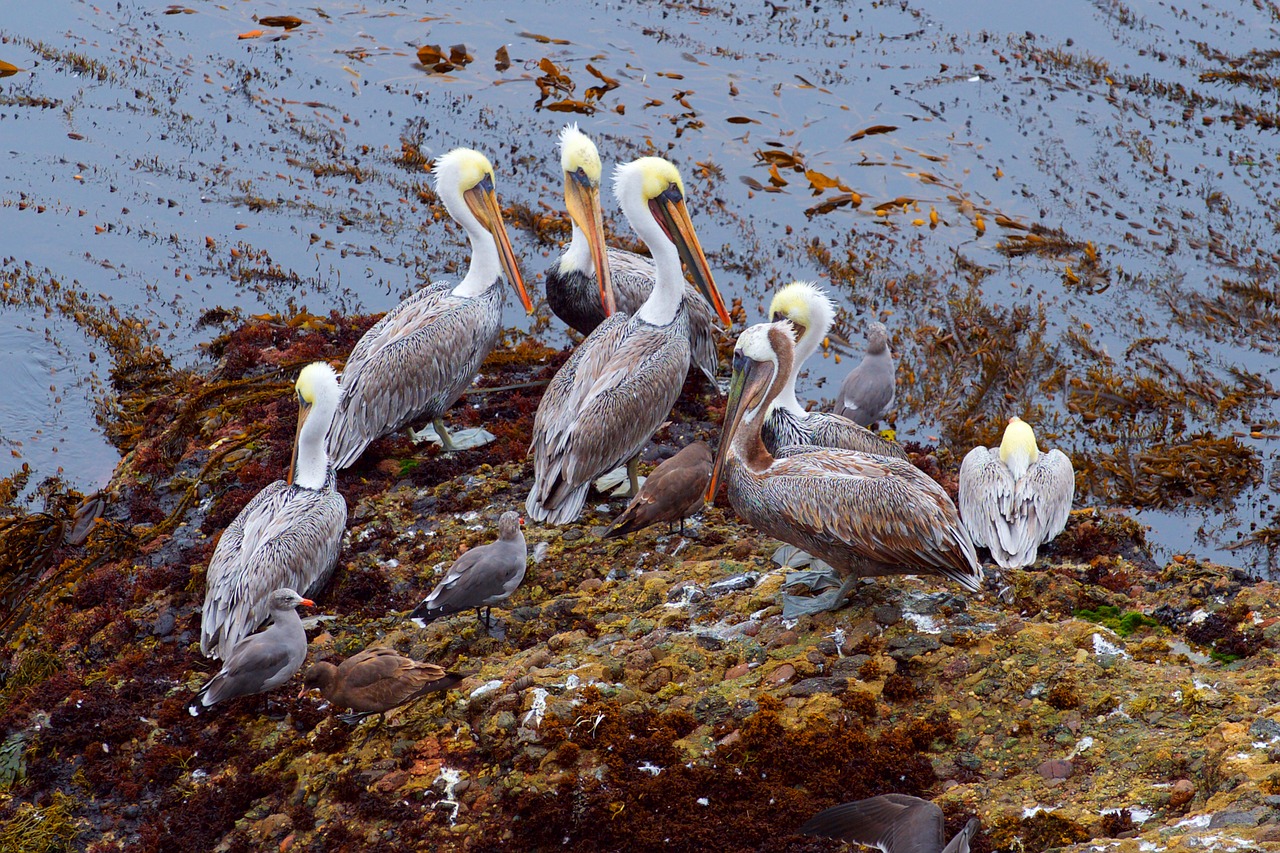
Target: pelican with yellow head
289 535
787 422
1014 498
576 291
415 362
621 382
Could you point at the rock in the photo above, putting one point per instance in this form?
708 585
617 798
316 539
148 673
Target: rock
814 686
737 671
710 642
685 591
1055 768
590 585
737 583
711 708
1182 792
887 614
848 667
781 675
903 649
656 680
1249 818
164 623
1264 729
786 638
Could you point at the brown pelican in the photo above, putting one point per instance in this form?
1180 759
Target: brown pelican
263 661
287 536
1014 498
895 823
619 384
673 492
868 391
863 514
418 359
575 292
810 312
376 680
482 577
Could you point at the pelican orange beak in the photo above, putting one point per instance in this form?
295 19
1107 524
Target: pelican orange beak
671 213
747 389
582 198
304 409
482 199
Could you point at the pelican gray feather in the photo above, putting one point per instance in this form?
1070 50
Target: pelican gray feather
573 288
417 360
619 384
864 514
289 535
787 422
895 823
1014 498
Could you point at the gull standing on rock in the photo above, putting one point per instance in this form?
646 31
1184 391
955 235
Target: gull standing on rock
865 515
1014 498
618 386
673 492
482 577
417 360
895 823
577 294
289 535
868 391
376 680
262 661
786 423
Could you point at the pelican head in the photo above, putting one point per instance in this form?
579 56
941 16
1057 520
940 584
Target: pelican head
656 185
467 174
761 364
1018 449
317 390
581 164
807 307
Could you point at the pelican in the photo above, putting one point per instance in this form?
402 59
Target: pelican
863 514
868 391
810 312
620 383
577 295
287 536
418 359
1014 498
895 823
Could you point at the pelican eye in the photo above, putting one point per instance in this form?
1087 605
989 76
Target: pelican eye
580 175
486 184
740 360
777 316
673 193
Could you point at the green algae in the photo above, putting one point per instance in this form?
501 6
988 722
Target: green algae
1123 623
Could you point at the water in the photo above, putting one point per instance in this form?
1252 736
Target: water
181 168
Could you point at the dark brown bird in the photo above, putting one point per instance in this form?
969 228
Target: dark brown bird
895 823
376 680
673 492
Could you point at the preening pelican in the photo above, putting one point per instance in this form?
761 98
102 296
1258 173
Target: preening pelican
287 536
868 391
417 360
1014 498
619 384
574 290
863 514
811 312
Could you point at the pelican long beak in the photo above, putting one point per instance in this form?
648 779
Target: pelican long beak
304 409
582 198
483 201
747 386
671 213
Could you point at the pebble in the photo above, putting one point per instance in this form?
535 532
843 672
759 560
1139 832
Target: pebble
737 583
163 626
782 674
1055 768
737 671
1181 794
814 686
903 649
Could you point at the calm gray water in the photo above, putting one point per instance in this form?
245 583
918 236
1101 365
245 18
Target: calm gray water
143 143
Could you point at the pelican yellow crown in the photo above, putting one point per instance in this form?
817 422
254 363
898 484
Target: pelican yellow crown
1018 447
312 378
577 151
799 302
470 166
657 176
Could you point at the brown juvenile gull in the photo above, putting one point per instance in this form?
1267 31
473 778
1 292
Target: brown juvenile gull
1014 498
261 661
289 535
868 391
865 515
481 577
895 823
673 492
376 680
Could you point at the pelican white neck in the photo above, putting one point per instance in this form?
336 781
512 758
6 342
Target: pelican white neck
668 289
